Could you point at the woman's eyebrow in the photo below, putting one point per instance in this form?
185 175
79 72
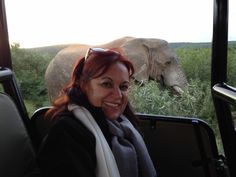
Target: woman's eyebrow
106 77
110 79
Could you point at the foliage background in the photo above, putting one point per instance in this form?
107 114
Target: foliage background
30 65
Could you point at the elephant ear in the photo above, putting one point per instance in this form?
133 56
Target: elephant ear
160 50
137 53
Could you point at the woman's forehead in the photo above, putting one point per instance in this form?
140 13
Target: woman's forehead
116 71
117 68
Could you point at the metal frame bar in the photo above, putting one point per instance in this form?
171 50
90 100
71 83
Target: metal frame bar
221 98
5 53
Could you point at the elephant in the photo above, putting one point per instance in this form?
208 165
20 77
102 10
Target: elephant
152 58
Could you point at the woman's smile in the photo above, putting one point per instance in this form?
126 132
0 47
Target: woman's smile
113 105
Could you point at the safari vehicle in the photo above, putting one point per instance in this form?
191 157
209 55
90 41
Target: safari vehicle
179 146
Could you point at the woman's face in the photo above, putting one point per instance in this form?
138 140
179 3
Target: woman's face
110 90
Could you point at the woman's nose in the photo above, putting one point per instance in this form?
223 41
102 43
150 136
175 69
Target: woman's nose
117 92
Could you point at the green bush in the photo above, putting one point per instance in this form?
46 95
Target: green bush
196 100
231 65
29 68
196 62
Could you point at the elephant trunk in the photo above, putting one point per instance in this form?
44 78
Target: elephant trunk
175 78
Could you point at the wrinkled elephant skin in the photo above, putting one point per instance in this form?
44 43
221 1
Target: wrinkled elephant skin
152 59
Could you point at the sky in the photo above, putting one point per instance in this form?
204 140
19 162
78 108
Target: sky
37 23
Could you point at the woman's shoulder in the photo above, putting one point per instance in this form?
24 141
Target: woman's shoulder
66 123
68 146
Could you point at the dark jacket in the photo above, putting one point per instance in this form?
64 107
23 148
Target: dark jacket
69 148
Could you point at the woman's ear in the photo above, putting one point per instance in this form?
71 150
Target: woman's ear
83 86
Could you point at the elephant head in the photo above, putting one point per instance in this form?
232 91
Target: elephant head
152 59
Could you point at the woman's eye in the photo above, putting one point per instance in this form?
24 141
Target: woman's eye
106 84
124 87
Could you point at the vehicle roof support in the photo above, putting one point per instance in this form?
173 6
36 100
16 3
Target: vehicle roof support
5 54
219 78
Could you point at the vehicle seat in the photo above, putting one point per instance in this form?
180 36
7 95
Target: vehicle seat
40 124
181 146
17 156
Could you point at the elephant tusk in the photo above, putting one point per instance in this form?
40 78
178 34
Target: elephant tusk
178 89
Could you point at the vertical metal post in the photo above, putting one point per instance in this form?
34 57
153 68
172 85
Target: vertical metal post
219 76
5 53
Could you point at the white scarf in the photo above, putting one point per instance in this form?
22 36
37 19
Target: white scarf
106 164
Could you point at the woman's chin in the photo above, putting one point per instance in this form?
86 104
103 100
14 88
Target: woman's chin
112 116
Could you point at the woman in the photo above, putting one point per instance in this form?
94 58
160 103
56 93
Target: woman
93 132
